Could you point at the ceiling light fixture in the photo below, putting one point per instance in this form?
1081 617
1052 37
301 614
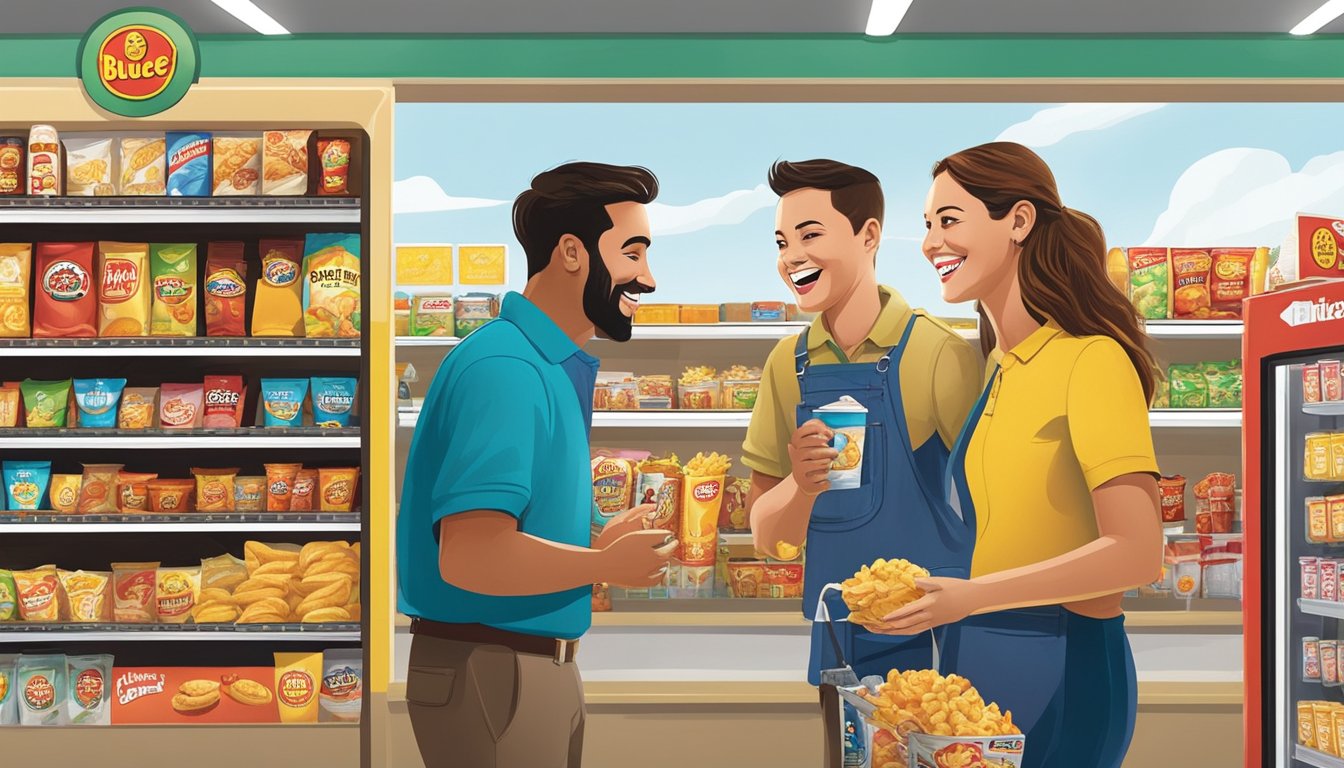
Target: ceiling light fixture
248 13
1331 10
886 16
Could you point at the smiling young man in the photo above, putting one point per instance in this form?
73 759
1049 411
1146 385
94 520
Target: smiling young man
916 376
493 539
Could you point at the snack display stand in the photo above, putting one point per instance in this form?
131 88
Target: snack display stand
358 110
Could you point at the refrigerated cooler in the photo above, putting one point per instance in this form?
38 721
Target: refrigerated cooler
1293 470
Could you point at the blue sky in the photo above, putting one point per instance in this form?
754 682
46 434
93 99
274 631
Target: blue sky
1176 175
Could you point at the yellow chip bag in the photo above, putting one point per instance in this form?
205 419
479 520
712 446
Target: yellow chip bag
65 493
297 683
702 499
123 289
16 260
278 310
87 594
331 298
175 592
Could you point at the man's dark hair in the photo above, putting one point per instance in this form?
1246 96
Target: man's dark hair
572 199
856 193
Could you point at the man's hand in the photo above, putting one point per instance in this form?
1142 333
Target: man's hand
637 559
636 519
811 454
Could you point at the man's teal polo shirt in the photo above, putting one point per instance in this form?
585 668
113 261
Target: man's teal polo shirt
504 427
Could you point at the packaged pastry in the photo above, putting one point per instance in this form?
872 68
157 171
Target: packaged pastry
249 494
297 677
333 400
284 163
26 484
172 268
144 166
282 401
224 397
90 692
334 156
88 168
13 172
139 408
342 691
133 591
279 483
44 161
65 299
432 315
10 397
181 405
278 309
214 489
46 403
98 489
133 491
123 292
188 164
331 302
39 594
42 690
16 262
225 572
225 290
98 400
9 597
171 496
337 488
305 486
237 165
87 594
65 493
175 593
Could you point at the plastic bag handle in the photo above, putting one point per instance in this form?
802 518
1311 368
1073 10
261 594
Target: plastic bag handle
824 614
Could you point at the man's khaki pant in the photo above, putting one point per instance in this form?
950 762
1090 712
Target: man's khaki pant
487 706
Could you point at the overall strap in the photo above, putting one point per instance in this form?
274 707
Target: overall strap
800 354
884 364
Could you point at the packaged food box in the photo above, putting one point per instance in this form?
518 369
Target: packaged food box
658 314
735 313
474 310
1320 246
698 314
12 171
768 311
432 315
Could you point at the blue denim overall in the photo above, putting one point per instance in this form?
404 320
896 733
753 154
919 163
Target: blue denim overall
1068 679
898 511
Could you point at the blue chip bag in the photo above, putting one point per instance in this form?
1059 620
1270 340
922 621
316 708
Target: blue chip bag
282 400
26 484
98 399
333 400
189 164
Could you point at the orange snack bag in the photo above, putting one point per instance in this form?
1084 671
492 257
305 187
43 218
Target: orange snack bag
225 290
133 590
305 487
280 480
98 489
138 409
133 491
39 594
214 489
171 496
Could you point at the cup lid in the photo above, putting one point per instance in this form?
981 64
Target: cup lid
845 404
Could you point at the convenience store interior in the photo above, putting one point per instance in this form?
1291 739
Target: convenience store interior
1194 124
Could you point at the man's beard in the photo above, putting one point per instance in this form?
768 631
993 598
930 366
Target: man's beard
602 303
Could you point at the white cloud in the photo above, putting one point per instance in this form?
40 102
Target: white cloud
732 208
421 194
1247 197
1053 125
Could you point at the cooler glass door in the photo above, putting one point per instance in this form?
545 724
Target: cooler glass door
1305 554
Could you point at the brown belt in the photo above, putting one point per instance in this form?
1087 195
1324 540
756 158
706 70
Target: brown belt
560 651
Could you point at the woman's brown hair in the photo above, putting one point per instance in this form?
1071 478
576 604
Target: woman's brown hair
1063 263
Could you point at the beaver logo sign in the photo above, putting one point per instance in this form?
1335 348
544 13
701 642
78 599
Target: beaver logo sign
138 62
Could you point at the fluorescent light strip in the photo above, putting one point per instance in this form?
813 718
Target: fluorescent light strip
1327 13
886 16
248 13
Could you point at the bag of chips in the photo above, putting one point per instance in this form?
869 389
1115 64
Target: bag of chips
139 408
65 303
337 488
282 401
224 397
1190 272
171 496
65 493
279 484
305 485
188 164
432 315
98 489
88 164
173 272
9 696
1150 282
46 403
123 293
249 494
333 400
26 484
88 595
144 164
133 588
331 290
90 701
1224 383
335 158
10 399
237 168
1188 387
98 399
225 290
176 592
39 591
181 406
133 491
278 309
9 597
16 261
215 489
42 688
285 162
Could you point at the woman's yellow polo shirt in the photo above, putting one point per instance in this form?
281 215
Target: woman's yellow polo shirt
1065 414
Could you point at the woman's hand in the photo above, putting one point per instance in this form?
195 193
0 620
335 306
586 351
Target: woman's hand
945 601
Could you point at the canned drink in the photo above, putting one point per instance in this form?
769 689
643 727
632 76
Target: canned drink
1328 579
1311 659
1318 460
1310 572
1330 384
1311 383
1329 650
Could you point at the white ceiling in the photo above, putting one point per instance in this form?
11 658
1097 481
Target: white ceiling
1115 17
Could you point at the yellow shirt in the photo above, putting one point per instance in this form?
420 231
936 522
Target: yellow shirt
1065 415
940 382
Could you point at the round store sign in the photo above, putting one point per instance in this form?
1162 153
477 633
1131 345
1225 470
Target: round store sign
138 62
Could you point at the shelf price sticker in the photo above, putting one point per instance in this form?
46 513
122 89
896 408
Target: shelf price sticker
482 264
424 264
138 62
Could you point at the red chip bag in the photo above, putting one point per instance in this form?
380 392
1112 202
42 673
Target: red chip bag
66 296
223 402
225 290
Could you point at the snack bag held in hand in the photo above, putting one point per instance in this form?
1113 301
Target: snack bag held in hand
331 290
173 275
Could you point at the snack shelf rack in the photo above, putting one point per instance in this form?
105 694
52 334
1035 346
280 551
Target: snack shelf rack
1316 757
21 632
167 527
1324 409
256 437
1326 608
170 210
183 347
